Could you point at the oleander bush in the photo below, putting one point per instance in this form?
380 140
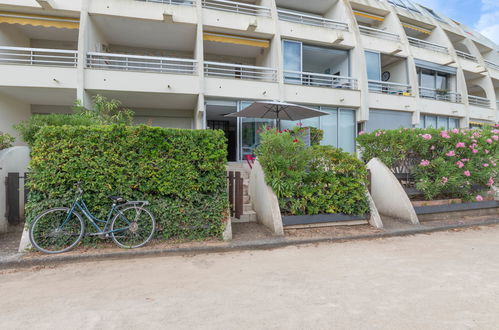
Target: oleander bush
6 140
312 180
457 163
181 172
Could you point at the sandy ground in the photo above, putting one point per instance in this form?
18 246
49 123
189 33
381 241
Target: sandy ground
447 280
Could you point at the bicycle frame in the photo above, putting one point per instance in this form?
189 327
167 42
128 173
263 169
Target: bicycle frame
79 204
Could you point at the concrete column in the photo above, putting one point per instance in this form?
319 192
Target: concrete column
81 94
199 57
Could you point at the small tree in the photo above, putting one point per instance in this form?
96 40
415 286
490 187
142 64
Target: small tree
105 111
6 140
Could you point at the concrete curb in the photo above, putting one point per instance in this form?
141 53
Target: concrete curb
274 243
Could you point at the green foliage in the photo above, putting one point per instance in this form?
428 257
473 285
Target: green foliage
316 135
181 172
453 163
315 180
104 112
6 140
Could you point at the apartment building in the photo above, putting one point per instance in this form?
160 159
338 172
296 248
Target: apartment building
186 63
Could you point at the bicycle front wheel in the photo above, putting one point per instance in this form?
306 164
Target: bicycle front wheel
132 227
56 230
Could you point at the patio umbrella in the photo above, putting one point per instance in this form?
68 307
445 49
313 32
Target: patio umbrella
277 110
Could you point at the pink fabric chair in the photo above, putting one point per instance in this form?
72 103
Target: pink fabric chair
250 159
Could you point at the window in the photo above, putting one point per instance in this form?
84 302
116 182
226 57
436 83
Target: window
433 80
406 4
387 119
430 121
292 53
373 66
432 13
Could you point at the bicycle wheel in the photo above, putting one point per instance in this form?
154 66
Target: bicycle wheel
53 231
132 227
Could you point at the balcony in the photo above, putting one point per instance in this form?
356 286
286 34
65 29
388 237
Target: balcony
294 17
439 95
466 56
427 45
389 88
479 101
368 31
237 71
319 80
141 63
38 56
173 2
492 65
236 7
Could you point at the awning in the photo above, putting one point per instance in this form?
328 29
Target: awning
435 67
367 15
39 20
416 28
238 40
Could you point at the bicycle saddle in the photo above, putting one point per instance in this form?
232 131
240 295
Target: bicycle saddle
118 199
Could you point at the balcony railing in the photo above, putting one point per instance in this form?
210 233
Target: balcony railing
293 17
319 80
389 88
479 101
236 7
466 56
141 63
492 65
439 95
427 45
38 56
173 2
238 71
378 33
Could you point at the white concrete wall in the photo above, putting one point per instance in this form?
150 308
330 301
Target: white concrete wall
12 112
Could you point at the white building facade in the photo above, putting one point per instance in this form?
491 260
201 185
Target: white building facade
186 63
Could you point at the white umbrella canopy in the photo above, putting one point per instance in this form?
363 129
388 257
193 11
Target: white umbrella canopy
277 110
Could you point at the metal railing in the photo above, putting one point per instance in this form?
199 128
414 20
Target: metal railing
439 95
319 80
466 56
389 88
492 65
378 33
141 63
239 71
173 2
38 56
427 45
294 17
479 101
236 7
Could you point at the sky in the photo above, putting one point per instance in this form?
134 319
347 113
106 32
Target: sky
480 15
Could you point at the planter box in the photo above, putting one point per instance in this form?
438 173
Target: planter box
457 210
294 220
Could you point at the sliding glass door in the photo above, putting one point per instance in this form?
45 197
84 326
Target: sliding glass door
292 54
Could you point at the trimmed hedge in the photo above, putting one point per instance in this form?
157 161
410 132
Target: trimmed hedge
313 180
181 172
455 163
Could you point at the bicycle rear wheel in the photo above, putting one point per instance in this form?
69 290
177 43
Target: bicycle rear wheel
56 230
132 227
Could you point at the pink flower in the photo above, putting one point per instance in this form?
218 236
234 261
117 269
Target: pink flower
445 180
479 198
460 145
473 146
455 130
476 134
426 136
485 165
474 151
490 182
495 137
465 160
444 134
450 153
362 132
460 164
495 131
486 151
432 148
378 133
424 162
467 173
489 141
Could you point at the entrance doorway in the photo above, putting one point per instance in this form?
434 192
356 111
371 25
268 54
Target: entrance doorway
215 119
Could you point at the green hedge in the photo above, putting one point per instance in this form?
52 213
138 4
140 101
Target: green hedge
314 180
457 163
181 172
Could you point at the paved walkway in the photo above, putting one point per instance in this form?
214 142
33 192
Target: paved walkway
446 280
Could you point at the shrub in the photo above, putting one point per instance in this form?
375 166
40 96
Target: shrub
181 172
315 180
453 163
104 112
6 140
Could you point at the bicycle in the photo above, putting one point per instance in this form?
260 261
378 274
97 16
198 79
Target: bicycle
58 230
